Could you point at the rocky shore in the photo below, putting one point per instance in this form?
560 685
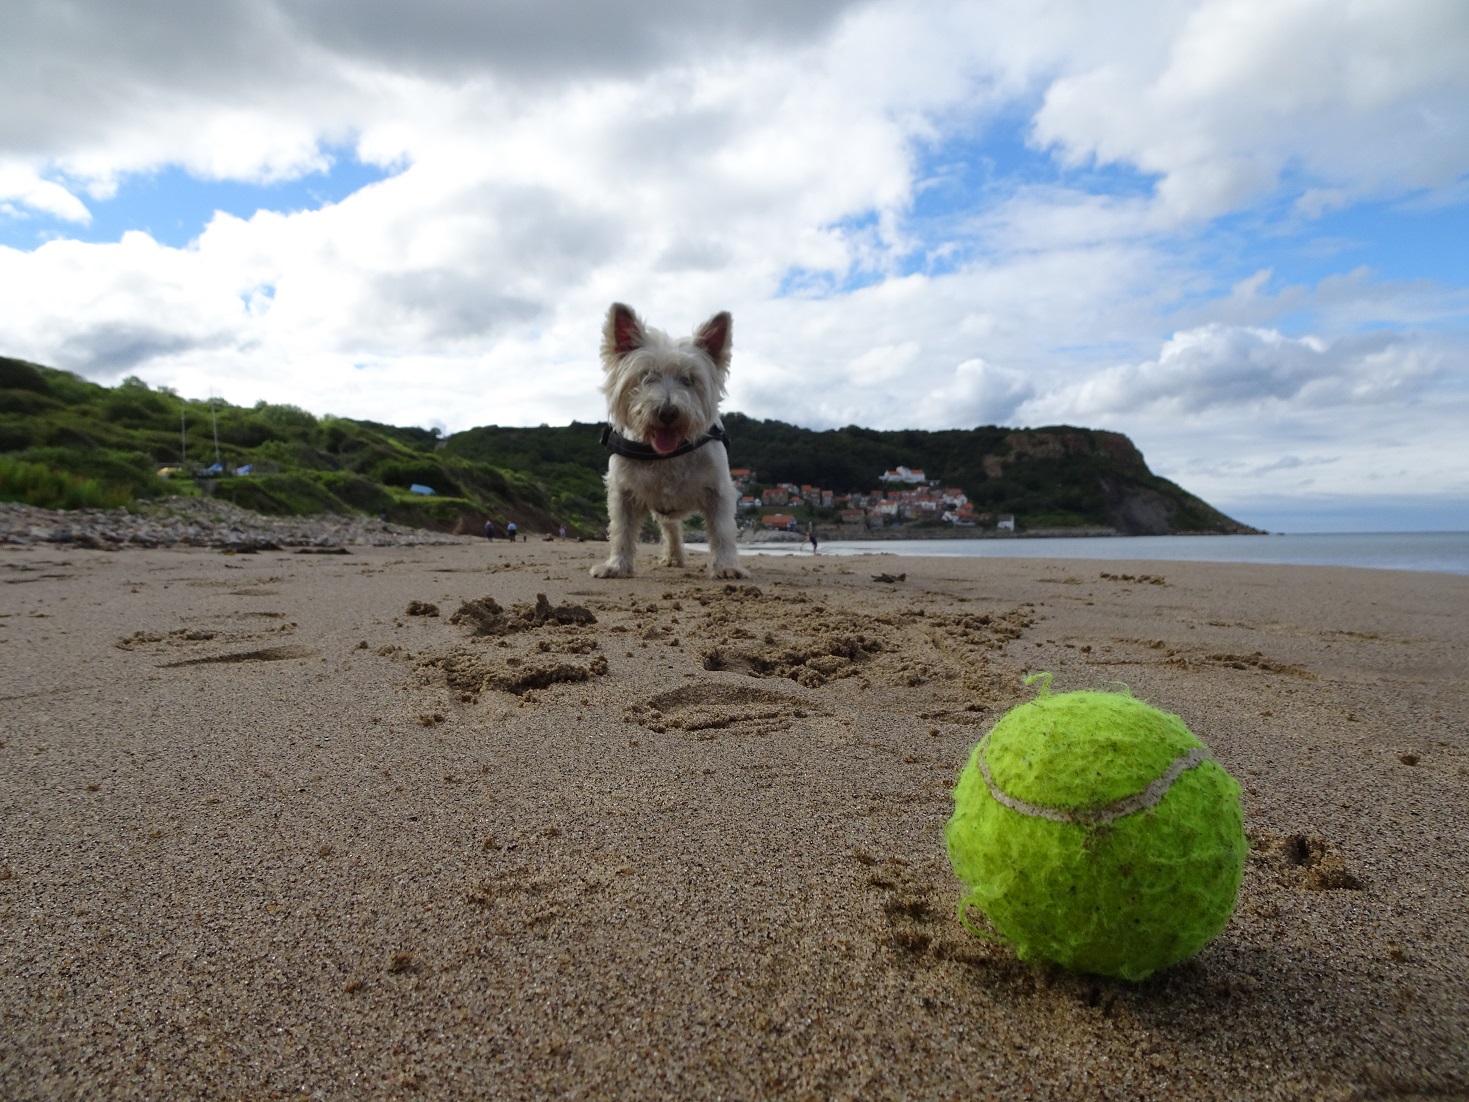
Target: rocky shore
201 522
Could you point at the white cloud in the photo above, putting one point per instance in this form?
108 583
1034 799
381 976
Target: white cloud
976 393
1229 410
32 194
1214 366
1369 96
689 157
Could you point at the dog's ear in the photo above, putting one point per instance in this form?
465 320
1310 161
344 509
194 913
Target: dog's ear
714 337
622 333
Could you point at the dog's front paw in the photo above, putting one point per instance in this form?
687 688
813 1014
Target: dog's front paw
728 570
612 568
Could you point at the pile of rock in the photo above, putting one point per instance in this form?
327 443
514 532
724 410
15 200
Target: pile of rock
200 522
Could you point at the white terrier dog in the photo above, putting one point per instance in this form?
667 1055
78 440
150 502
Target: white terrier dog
667 443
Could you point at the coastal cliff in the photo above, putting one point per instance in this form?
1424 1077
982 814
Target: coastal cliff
1049 479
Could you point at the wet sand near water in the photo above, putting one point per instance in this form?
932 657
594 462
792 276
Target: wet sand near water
461 821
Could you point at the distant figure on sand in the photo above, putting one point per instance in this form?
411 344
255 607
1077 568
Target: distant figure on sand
510 531
811 537
490 530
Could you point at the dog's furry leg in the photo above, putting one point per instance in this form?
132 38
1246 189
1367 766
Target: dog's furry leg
672 541
719 518
623 520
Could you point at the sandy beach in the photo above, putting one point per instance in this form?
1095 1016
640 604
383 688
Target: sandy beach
462 822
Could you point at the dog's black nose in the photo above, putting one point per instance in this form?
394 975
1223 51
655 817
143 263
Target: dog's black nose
668 415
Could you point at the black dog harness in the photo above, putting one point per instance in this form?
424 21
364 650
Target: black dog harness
618 444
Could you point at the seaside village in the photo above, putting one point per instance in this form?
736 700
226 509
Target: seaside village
906 496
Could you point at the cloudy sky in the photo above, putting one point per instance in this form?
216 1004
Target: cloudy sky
1237 230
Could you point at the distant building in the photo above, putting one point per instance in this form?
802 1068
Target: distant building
778 520
1006 523
904 474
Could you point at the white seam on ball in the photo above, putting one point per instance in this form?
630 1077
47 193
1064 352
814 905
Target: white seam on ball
1138 801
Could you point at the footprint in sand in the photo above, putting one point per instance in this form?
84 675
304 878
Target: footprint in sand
1256 662
178 638
721 706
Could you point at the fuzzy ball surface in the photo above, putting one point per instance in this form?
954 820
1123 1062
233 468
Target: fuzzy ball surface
1095 831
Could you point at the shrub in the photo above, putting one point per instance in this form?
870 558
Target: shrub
135 470
406 471
358 492
279 494
20 400
44 486
20 375
285 418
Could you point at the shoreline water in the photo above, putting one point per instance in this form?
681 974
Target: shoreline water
206 523
1434 552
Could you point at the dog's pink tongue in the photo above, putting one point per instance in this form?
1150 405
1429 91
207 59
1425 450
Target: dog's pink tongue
666 440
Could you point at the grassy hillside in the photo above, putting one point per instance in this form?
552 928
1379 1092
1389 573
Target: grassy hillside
68 443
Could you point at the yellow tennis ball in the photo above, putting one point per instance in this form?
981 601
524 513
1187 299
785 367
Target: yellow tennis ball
1096 832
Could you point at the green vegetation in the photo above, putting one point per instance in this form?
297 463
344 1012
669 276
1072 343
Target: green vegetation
66 442
38 484
69 443
1053 477
569 461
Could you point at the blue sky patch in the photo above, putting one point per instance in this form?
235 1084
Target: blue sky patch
1396 240
961 180
173 207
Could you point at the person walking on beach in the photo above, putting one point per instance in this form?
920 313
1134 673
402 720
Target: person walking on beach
811 536
490 530
510 531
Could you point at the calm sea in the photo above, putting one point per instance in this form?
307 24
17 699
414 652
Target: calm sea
1441 552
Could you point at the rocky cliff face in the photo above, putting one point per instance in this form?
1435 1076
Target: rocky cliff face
1135 501
1137 510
